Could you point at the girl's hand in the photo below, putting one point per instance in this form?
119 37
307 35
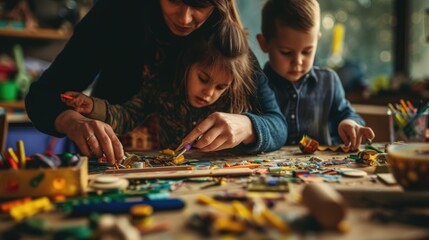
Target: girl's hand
352 133
92 137
78 101
221 131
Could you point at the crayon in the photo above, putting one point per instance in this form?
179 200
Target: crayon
65 96
216 204
150 169
253 165
10 161
410 105
404 106
21 153
242 211
12 154
275 220
402 122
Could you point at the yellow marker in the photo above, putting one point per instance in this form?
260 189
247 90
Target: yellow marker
397 115
257 212
242 211
12 154
275 220
216 204
21 153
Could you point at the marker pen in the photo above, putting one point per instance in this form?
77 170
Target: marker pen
124 207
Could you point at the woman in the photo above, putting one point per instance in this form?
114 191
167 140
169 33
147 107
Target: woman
119 43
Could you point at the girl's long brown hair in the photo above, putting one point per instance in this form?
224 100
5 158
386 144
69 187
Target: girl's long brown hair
229 49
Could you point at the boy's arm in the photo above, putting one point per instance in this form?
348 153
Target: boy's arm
341 109
270 126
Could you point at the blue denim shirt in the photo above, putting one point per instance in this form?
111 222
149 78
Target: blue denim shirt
314 107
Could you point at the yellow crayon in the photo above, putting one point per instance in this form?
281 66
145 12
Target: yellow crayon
242 211
12 154
275 220
21 153
397 115
216 204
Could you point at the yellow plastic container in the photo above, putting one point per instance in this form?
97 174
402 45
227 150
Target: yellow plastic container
67 181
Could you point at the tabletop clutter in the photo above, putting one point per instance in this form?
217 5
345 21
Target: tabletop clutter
237 193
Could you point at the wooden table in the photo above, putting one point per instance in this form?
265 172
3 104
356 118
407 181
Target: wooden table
355 190
358 218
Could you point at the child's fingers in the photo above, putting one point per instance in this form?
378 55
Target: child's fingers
199 130
344 136
78 101
349 136
352 133
358 141
367 133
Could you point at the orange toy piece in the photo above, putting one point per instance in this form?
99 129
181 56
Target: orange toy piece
336 148
308 145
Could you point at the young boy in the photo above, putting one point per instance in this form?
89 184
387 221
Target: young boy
311 98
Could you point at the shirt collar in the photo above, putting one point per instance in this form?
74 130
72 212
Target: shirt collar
272 75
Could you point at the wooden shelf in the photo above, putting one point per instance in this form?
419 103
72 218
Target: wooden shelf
15 111
13 105
39 33
19 118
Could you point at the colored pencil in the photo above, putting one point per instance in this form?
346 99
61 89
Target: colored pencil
150 169
21 153
253 165
65 96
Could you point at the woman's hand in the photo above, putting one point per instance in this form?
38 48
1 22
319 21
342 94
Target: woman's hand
92 137
352 133
221 131
78 101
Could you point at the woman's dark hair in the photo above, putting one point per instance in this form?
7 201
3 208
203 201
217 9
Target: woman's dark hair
223 9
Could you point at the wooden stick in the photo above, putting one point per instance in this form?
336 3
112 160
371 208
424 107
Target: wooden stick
150 169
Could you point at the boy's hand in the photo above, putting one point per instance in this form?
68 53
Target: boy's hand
79 102
352 133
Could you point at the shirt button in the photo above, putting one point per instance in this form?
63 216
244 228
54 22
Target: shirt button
292 116
194 123
294 95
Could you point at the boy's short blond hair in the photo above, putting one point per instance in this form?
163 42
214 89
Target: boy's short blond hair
300 15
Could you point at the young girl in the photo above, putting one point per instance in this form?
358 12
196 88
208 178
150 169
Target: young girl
214 77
